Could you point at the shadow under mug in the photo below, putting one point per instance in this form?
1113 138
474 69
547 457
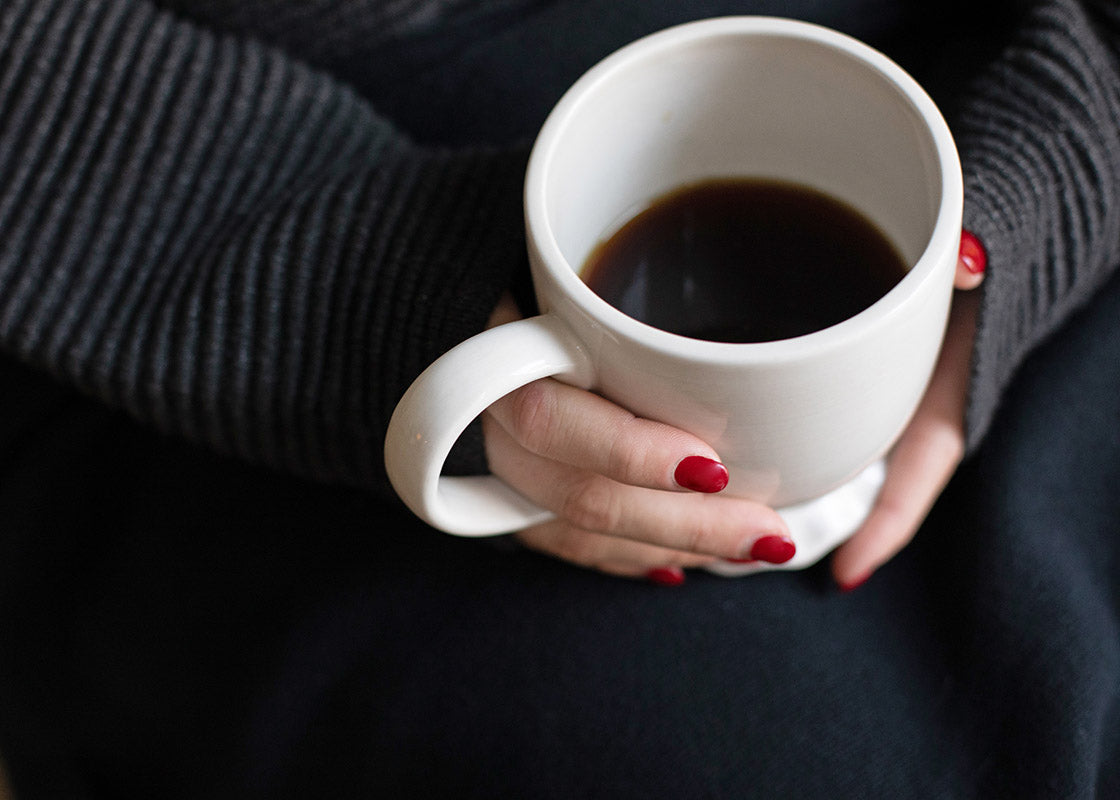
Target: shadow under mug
730 97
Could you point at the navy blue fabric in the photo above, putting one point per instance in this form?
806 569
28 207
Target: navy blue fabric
179 625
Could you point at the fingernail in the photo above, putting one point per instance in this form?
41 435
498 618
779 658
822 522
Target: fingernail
666 576
701 474
854 584
773 549
972 253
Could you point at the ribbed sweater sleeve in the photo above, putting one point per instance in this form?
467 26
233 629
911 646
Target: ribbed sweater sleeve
230 245
1040 144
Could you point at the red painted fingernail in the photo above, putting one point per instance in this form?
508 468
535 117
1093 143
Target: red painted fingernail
701 474
852 585
666 576
972 253
773 549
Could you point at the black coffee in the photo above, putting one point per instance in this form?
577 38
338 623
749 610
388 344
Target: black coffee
744 260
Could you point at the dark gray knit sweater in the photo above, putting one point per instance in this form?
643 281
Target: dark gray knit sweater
208 219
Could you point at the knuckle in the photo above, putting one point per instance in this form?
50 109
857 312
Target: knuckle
700 539
591 504
952 447
943 442
534 417
626 458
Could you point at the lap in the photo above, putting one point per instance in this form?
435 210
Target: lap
177 622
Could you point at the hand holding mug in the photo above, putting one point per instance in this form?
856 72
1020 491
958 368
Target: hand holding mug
592 461
794 421
631 496
929 450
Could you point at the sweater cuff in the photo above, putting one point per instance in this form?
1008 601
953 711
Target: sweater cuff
1041 157
466 226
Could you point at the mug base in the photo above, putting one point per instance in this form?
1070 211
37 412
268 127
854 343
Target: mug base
819 526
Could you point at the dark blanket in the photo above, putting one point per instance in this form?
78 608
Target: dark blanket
178 625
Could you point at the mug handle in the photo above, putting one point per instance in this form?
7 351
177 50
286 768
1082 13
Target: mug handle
448 396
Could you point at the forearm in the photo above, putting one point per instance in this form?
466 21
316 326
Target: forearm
230 245
1040 146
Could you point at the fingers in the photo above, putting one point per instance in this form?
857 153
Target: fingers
623 557
920 466
971 263
578 428
586 500
617 484
922 461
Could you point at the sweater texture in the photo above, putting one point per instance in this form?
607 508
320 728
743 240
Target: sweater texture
210 215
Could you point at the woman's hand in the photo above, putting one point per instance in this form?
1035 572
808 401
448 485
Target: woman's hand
631 497
932 446
638 498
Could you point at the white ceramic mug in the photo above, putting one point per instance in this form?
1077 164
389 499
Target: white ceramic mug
729 97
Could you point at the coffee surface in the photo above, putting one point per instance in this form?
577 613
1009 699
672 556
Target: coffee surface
744 260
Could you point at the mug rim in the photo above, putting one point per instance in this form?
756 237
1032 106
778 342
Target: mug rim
945 232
